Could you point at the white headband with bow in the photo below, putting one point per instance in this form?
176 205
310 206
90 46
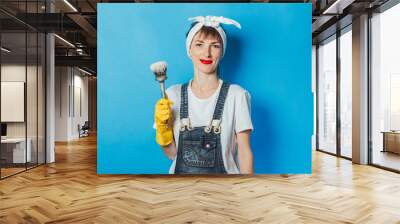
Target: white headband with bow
210 21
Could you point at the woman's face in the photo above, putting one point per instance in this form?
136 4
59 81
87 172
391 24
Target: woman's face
206 52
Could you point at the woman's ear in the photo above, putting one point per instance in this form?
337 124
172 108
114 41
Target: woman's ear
190 53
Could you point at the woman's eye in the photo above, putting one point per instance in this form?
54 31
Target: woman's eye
216 46
198 45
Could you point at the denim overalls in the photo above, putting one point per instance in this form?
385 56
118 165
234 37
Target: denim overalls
199 148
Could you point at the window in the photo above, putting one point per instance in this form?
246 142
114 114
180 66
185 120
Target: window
22 65
346 92
385 88
327 95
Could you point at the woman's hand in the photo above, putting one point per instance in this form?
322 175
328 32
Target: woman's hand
163 120
163 111
245 154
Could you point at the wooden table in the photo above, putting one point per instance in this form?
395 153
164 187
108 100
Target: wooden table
13 150
391 141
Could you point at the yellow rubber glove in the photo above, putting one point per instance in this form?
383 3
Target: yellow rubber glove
163 119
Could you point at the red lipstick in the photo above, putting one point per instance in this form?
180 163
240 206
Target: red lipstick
207 62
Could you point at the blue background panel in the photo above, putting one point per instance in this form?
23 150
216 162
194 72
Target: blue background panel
270 57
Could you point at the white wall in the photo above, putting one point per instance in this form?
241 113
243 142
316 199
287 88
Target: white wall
62 82
80 110
71 102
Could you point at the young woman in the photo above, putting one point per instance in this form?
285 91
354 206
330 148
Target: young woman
204 126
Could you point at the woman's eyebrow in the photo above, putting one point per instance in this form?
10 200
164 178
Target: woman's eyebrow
214 42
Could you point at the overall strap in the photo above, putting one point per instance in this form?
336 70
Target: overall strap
219 108
184 109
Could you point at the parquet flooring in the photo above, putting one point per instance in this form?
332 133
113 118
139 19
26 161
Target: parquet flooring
70 191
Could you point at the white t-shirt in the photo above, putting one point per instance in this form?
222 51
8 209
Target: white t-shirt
236 118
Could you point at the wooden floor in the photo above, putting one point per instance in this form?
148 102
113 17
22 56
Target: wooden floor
70 191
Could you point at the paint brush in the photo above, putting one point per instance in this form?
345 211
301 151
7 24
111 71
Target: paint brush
160 71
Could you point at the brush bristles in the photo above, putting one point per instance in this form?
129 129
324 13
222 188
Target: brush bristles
159 67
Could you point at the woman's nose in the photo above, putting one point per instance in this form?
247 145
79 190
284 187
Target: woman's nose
208 52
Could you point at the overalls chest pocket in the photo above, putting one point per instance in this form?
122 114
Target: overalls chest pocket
200 153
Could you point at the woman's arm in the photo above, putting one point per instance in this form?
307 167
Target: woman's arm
244 152
170 150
